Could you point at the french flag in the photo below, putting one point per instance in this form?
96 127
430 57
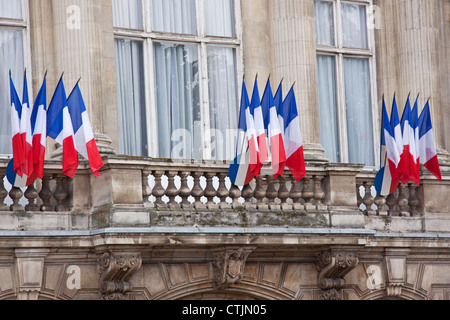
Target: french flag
386 179
415 167
25 130
272 125
293 142
17 141
39 129
84 137
407 167
427 146
398 136
247 161
59 128
257 113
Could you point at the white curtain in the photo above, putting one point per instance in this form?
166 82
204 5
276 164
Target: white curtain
127 14
178 100
219 15
354 26
131 98
176 16
11 9
324 19
359 111
223 101
326 69
12 58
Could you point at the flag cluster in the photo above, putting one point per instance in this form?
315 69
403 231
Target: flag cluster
406 143
65 121
269 125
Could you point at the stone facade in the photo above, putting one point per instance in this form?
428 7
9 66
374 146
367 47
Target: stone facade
153 229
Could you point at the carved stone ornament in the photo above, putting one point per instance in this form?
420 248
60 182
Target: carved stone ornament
333 266
116 269
228 267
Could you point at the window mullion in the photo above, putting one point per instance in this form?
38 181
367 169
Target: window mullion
342 109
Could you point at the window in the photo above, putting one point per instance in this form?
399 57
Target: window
13 36
345 65
177 69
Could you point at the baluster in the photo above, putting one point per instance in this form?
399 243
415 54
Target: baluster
60 195
222 191
413 199
319 193
146 190
172 191
197 191
359 199
235 194
296 194
3 194
16 194
31 195
308 194
46 194
260 194
283 194
403 201
368 200
158 191
380 201
184 191
391 201
247 194
210 191
272 193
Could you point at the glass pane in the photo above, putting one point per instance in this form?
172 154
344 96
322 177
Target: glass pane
220 18
324 18
326 68
11 9
12 58
178 101
176 16
354 26
131 98
128 14
359 111
223 101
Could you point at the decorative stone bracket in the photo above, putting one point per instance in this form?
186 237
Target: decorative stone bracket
333 266
116 269
228 266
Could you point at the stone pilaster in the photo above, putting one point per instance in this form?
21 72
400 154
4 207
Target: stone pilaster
30 272
294 59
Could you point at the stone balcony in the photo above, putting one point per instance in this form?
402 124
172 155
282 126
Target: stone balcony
150 193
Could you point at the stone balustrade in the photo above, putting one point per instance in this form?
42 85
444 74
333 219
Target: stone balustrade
145 192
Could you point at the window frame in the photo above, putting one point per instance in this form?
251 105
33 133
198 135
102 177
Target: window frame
201 40
340 53
22 24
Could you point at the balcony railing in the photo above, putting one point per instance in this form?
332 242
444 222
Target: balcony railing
156 192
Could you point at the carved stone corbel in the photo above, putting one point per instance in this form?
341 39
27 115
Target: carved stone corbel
228 266
116 269
333 266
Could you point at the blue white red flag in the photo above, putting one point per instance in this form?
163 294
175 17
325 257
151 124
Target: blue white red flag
25 130
386 180
272 125
257 113
293 142
17 141
414 169
39 129
427 145
398 136
242 169
84 137
18 181
59 128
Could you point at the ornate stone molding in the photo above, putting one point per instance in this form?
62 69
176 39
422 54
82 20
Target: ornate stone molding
228 266
333 266
116 269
